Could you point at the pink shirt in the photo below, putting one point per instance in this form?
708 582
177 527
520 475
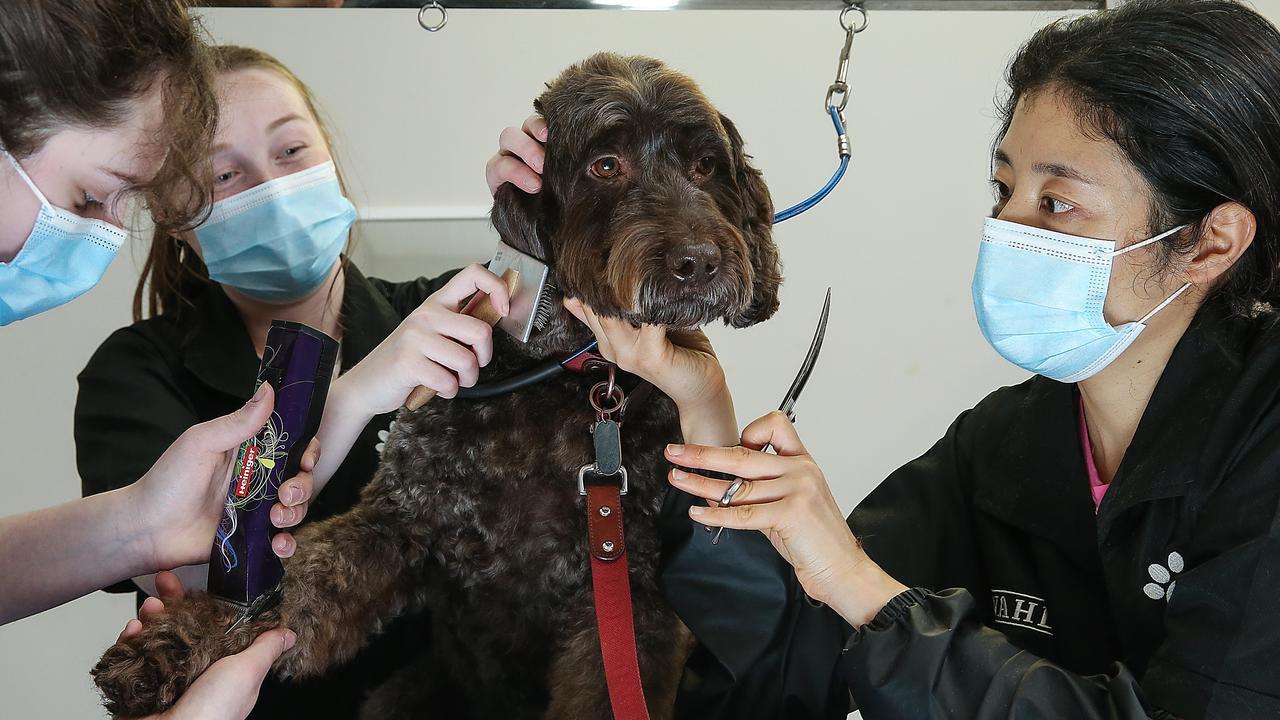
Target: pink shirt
1096 486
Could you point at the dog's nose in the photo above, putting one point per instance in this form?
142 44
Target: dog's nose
695 263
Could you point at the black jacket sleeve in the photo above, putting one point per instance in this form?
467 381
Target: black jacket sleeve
129 410
928 655
764 651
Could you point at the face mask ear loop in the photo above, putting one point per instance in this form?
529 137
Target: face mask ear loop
1145 243
25 178
1164 304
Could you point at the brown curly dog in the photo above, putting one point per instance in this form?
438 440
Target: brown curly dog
650 212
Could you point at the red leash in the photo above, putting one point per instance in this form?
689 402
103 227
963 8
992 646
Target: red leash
614 617
607 543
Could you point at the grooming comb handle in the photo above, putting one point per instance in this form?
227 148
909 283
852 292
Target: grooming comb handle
479 308
532 301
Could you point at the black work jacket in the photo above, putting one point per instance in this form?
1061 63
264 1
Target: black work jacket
1025 604
149 382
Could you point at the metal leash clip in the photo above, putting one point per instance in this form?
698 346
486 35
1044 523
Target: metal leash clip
608 400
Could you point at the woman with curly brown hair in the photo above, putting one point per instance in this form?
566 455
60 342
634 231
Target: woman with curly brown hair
103 102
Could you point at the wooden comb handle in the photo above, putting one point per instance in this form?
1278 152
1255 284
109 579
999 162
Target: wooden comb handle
480 308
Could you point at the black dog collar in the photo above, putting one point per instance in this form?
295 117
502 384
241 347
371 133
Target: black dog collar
580 362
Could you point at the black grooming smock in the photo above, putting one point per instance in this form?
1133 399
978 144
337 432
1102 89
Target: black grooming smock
151 381
1025 603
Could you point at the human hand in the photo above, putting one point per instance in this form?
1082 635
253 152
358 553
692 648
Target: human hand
520 157
786 497
180 500
228 690
436 346
680 363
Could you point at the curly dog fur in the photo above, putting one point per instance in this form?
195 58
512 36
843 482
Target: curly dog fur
650 212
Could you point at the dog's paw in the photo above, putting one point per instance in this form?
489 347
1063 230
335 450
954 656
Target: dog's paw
146 673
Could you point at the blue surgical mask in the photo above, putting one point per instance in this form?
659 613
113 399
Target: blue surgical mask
62 258
278 241
1038 295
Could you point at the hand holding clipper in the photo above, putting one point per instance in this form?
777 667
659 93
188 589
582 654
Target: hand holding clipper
298 363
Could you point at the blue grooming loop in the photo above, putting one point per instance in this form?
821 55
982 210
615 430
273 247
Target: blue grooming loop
839 89
795 210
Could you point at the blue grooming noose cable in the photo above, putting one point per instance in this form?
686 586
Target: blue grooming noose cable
838 88
795 210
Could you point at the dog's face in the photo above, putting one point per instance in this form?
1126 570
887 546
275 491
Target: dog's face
649 210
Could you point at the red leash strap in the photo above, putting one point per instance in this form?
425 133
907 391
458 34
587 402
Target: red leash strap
611 582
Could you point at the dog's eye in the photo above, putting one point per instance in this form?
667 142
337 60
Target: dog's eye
607 167
705 166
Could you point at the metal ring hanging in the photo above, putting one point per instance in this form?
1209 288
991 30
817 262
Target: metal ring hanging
444 16
848 25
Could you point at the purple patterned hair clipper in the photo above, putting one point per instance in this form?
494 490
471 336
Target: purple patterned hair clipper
298 362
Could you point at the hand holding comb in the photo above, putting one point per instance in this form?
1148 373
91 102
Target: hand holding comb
531 291
481 308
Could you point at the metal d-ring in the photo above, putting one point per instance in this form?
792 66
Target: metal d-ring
444 16
611 390
598 397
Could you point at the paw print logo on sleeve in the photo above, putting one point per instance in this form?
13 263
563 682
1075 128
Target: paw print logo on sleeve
1163 578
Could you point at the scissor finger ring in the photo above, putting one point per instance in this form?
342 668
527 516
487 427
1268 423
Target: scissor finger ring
730 492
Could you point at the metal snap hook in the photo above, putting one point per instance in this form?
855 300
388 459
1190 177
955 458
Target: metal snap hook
838 93
444 16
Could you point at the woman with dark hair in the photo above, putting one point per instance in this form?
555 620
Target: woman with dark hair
1103 540
102 101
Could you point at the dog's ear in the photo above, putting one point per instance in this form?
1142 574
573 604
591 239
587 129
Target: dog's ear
757 230
518 218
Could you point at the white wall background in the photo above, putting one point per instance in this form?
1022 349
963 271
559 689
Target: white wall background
417 115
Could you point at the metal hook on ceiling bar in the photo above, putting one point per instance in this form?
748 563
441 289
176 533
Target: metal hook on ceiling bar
425 11
835 108
841 85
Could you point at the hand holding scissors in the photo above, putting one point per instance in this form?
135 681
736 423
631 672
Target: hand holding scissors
788 405
783 495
